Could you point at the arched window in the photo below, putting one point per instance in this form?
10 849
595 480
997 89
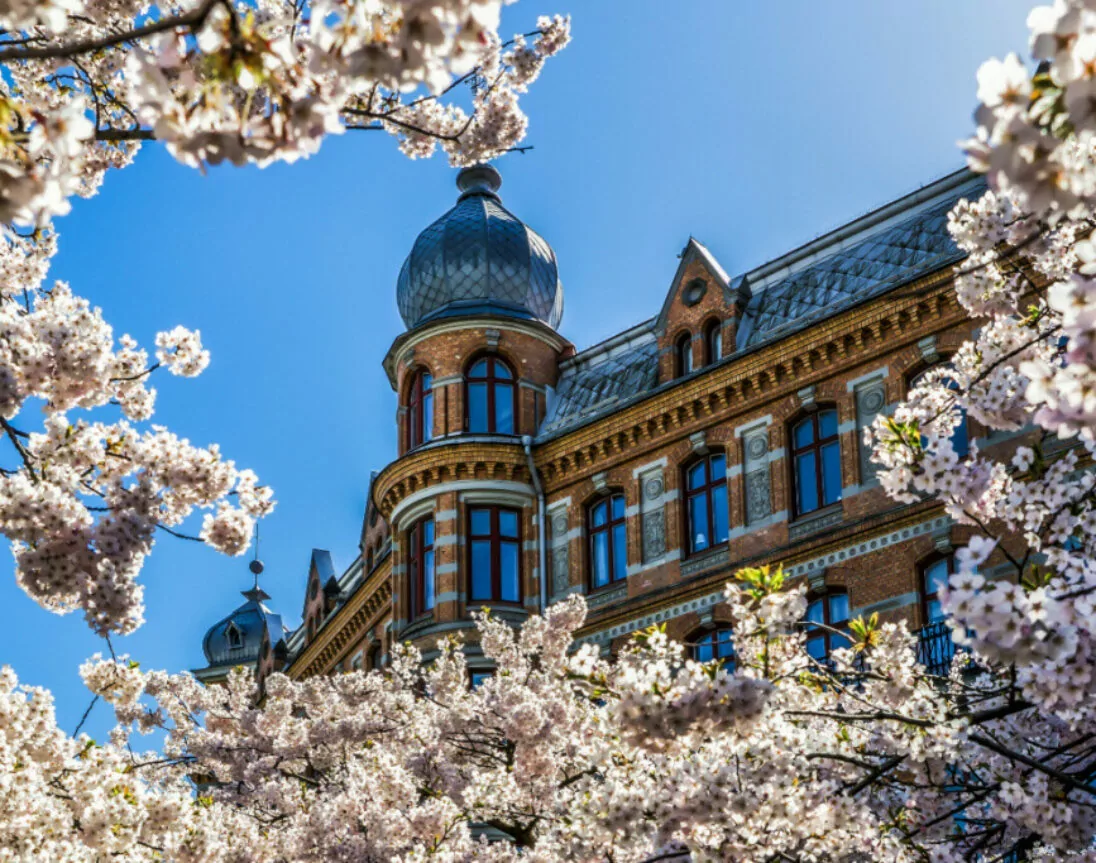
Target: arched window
608 541
420 410
235 639
713 342
706 506
494 554
934 575
683 354
491 400
420 565
816 456
712 644
375 657
960 438
827 612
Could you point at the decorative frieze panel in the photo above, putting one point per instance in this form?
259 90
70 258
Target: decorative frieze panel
560 550
870 395
755 448
652 508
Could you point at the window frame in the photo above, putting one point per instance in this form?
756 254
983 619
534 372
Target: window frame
708 489
924 597
683 355
827 637
417 551
710 633
496 540
713 341
492 384
816 446
609 528
419 396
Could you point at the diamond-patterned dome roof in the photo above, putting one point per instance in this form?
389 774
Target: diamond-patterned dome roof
480 259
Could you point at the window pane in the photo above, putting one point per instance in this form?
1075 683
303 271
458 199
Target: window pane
804 433
508 559
703 650
697 475
719 467
936 612
428 532
428 417
428 580
839 608
831 473
620 552
814 611
827 424
724 643
481 570
508 522
600 515
959 437
481 522
479 677
618 506
806 482
600 561
936 576
426 382
479 370
502 371
504 409
719 514
413 425
477 407
715 344
698 523
816 647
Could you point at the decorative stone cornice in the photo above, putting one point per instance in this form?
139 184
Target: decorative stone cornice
360 613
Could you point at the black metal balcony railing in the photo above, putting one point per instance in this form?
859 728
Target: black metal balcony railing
935 648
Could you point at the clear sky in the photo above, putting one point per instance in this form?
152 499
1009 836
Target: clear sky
752 126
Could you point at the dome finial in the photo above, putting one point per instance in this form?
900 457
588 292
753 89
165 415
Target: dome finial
480 179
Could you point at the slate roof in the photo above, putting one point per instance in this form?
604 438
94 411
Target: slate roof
885 249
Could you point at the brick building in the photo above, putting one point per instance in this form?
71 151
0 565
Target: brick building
643 471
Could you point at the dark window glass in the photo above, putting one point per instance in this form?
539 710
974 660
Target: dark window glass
960 438
420 563
420 410
717 644
816 456
934 575
494 541
608 541
477 678
234 639
706 508
683 351
491 399
713 342
832 611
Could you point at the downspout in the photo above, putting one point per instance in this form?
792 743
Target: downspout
542 545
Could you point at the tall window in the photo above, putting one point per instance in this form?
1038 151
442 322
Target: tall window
494 551
715 644
960 438
934 575
420 410
706 508
816 454
608 541
713 342
420 560
491 399
235 640
683 354
830 610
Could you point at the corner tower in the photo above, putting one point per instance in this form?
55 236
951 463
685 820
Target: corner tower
481 297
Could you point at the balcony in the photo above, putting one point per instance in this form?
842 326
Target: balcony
935 648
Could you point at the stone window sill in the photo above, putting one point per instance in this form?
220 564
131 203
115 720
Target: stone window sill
819 520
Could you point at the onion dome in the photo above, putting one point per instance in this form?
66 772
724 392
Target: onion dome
480 259
238 638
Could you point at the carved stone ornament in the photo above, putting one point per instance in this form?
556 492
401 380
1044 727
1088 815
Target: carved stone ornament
654 535
758 495
870 401
561 569
559 526
653 488
757 446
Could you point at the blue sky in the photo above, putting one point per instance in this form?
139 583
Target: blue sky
752 126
